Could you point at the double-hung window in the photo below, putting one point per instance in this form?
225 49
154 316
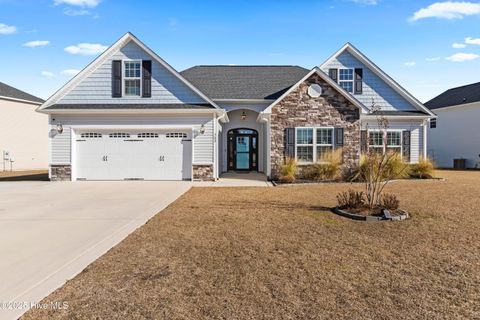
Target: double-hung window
132 78
304 145
312 144
385 141
324 142
345 77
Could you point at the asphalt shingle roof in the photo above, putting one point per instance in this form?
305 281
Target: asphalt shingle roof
244 82
11 92
455 96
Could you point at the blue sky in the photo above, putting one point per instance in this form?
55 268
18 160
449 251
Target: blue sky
413 41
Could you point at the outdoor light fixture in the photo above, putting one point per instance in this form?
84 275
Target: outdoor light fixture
244 115
59 128
202 129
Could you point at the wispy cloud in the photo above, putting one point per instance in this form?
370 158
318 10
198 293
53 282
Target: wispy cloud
366 2
410 64
447 10
76 12
6 29
474 41
70 72
36 43
432 59
457 45
86 49
461 57
78 3
47 74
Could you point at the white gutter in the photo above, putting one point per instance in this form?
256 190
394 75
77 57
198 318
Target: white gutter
21 100
131 111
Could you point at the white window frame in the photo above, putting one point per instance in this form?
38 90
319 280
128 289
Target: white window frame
314 143
352 81
124 78
384 138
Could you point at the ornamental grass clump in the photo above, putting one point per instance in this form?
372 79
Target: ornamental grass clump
424 169
288 170
329 165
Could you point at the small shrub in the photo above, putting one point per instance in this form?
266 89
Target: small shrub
351 199
424 169
328 168
288 170
389 201
308 173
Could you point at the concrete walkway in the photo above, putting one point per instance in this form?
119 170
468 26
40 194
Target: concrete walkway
49 232
233 179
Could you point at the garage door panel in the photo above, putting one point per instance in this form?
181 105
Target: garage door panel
155 155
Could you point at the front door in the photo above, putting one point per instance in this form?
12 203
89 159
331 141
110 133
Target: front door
243 150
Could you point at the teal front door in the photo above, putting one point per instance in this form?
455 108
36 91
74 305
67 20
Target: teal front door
243 152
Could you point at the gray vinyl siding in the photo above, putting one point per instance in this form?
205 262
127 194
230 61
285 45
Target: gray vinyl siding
416 138
374 88
60 146
97 87
203 144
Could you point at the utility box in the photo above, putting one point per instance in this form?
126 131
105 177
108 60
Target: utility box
459 163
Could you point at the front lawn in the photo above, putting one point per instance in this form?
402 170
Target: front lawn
278 253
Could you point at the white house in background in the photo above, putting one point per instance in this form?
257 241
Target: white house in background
23 142
455 134
130 116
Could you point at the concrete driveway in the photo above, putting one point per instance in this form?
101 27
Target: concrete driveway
49 232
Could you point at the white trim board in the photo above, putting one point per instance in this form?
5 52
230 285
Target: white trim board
380 73
105 56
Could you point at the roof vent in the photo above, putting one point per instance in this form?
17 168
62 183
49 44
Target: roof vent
314 90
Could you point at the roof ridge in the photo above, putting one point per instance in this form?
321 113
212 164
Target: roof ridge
464 86
247 65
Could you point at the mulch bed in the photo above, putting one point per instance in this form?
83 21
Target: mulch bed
279 253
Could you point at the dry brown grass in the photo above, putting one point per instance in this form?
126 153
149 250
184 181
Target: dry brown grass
278 253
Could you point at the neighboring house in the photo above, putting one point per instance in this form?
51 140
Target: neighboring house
23 138
453 135
130 115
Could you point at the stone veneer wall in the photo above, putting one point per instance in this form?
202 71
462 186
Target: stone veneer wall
203 172
298 109
60 172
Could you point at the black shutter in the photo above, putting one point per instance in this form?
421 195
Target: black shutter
406 146
147 79
289 142
116 79
338 137
333 73
358 81
364 141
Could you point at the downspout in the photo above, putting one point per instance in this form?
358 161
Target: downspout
425 123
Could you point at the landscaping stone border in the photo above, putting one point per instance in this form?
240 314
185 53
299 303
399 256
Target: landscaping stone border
360 217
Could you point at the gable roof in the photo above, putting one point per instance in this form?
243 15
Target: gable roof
328 80
460 95
7 91
381 74
244 82
104 56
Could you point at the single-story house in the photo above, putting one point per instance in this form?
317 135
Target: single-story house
130 116
23 139
452 136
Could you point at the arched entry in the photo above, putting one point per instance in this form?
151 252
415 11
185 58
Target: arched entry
242 149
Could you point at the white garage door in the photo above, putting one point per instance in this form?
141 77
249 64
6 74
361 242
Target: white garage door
133 155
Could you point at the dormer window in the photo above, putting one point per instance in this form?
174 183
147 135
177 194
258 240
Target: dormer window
345 79
132 78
